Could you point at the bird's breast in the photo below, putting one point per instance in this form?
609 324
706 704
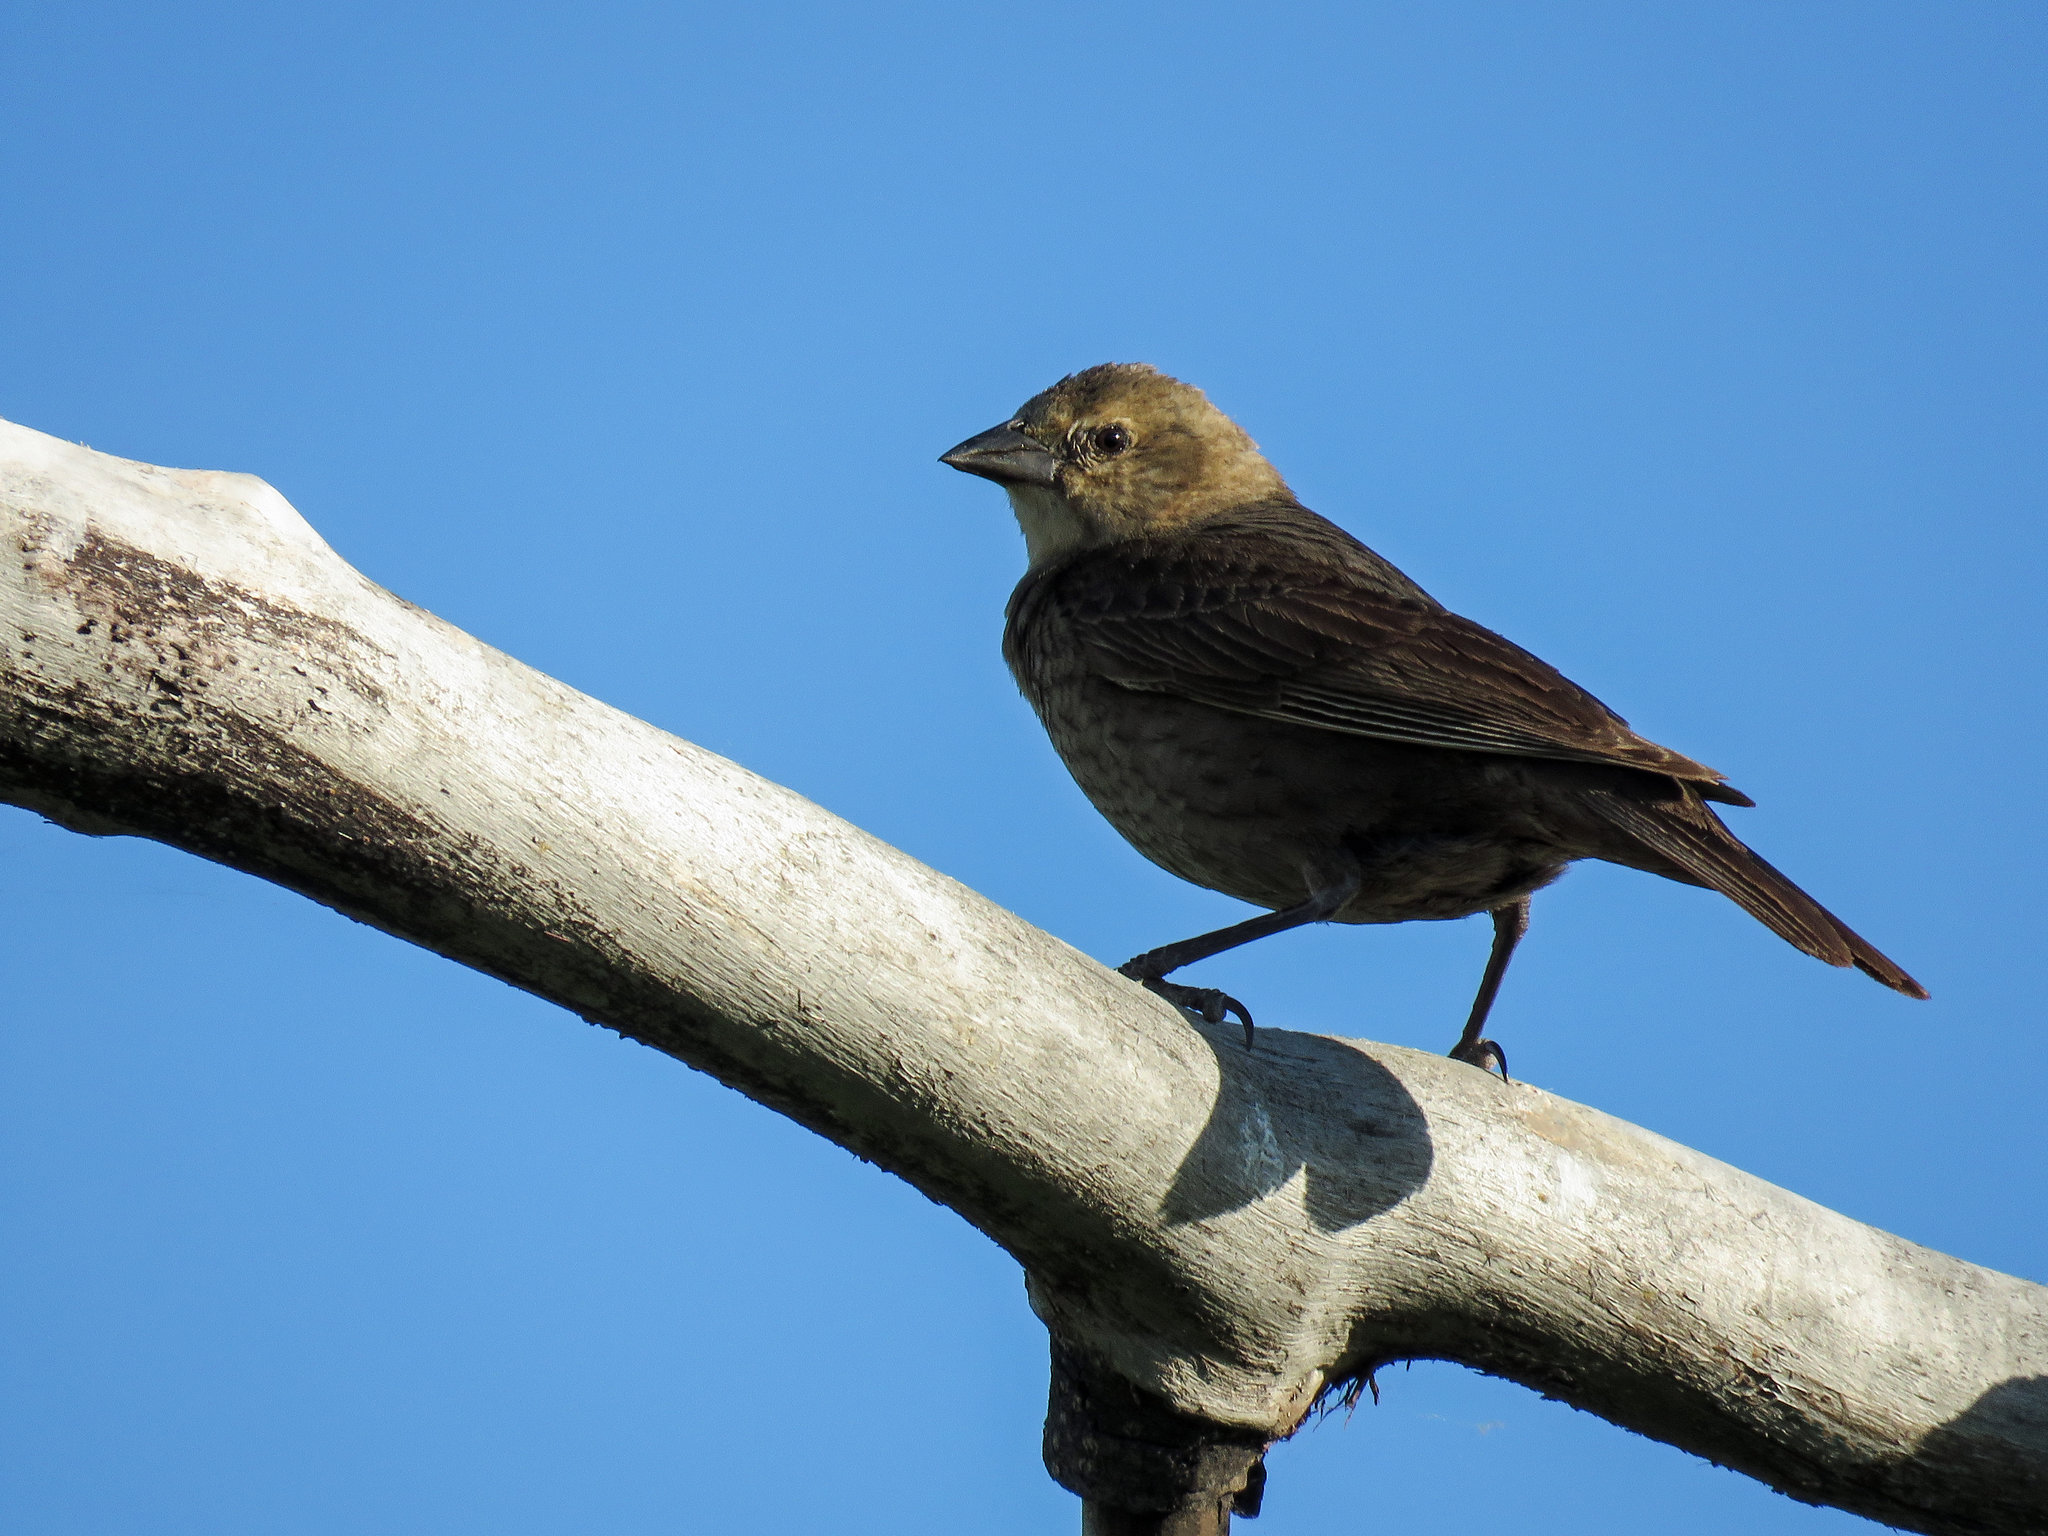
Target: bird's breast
1245 805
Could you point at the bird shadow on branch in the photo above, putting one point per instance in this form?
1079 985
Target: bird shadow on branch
1998 1438
1303 1104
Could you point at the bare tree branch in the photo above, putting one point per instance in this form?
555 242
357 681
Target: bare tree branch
1213 1236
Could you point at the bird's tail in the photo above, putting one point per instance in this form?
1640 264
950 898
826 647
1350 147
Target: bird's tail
1683 832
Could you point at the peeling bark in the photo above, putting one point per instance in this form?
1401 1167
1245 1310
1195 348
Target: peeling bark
1213 1236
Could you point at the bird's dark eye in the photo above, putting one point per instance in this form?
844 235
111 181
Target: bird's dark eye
1111 440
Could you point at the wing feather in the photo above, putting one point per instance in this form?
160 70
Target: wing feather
1278 614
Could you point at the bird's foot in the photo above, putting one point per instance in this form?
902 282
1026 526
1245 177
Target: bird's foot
1212 1006
1486 1055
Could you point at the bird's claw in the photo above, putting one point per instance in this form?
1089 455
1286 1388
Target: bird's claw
1486 1055
1207 1003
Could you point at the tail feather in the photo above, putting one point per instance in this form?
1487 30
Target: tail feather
1690 836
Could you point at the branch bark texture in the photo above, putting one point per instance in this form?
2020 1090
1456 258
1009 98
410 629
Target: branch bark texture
1226 1233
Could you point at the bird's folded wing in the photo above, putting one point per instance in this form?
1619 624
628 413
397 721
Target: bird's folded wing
1315 646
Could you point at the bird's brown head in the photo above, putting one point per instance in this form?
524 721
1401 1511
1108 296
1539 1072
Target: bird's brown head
1119 451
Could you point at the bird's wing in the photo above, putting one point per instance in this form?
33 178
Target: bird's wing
1246 625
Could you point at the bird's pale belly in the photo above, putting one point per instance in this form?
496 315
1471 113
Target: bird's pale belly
1264 811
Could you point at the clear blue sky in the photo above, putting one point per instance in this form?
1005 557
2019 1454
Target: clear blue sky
1698 347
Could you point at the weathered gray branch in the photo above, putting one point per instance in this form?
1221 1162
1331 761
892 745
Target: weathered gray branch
1228 1232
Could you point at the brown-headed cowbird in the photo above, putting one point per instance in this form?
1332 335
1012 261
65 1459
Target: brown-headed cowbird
1264 706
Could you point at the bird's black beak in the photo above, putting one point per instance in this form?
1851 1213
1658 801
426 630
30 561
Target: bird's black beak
1004 455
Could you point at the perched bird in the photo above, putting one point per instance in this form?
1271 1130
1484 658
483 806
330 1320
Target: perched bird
1265 707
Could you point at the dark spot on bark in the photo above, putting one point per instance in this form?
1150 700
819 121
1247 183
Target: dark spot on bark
223 783
200 622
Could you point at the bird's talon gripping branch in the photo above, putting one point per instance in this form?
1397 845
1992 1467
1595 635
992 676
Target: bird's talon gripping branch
1486 1055
1207 1003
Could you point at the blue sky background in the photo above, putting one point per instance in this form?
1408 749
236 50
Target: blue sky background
1699 348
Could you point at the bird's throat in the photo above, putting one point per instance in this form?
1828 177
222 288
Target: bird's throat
1051 527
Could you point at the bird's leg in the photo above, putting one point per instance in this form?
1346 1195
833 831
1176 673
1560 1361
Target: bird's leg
1509 924
1152 967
